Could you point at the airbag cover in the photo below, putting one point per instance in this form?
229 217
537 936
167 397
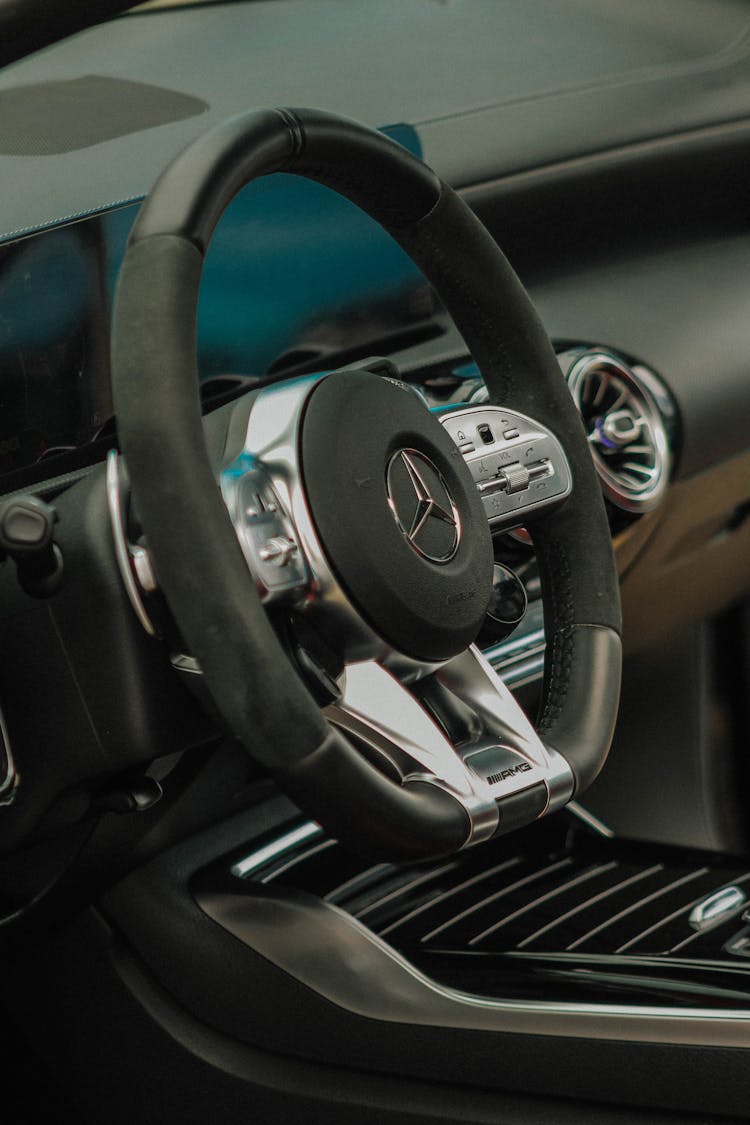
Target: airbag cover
397 514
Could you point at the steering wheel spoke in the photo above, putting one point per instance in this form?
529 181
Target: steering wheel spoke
506 750
499 769
380 714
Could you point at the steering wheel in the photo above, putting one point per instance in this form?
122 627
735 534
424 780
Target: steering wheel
340 501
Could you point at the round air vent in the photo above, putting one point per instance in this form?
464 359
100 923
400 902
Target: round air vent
625 428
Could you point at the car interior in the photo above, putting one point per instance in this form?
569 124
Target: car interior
375 561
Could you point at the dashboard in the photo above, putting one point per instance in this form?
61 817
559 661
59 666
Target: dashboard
606 147
635 253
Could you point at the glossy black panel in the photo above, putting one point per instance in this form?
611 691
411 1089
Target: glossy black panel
555 916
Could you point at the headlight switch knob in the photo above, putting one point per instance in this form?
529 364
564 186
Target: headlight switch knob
26 535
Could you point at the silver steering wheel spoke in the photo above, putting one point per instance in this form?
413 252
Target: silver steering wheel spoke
377 710
501 759
506 750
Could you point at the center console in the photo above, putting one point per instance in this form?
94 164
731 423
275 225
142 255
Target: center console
570 917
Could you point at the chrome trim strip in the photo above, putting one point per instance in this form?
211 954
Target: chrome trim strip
590 820
636 906
446 895
668 917
618 483
497 895
10 781
518 644
519 659
358 882
404 888
525 672
300 857
122 551
245 867
584 877
581 906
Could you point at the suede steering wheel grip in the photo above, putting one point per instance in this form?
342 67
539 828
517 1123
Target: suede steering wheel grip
197 557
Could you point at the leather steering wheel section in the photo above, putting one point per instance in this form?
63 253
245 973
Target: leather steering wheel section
430 799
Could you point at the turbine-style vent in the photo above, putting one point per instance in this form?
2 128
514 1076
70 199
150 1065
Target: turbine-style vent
625 429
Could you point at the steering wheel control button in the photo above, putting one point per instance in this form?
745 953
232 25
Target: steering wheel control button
486 433
423 506
278 551
411 551
525 472
265 532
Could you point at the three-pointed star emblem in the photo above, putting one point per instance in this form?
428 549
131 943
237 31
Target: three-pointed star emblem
423 506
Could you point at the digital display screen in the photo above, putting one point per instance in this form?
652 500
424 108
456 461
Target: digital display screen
293 269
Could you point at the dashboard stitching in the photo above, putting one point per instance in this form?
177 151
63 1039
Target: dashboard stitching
49 224
727 56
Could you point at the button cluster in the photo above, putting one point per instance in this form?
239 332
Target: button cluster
516 464
267 537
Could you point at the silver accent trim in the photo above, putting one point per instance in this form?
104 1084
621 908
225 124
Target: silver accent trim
376 708
641 902
633 424
496 896
582 877
379 710
472 679
265 530
591 821
581 906
10 782
272 441
457 889
519 659
667 918
277 848
144 571
123 552
717 906
516 476
184 662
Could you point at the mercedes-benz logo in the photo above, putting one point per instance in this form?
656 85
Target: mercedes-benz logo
423 506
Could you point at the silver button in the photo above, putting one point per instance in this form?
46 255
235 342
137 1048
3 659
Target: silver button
277 550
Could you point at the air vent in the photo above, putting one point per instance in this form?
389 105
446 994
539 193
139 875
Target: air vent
625 428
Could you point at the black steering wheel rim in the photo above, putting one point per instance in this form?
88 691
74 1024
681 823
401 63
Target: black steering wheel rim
197 558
